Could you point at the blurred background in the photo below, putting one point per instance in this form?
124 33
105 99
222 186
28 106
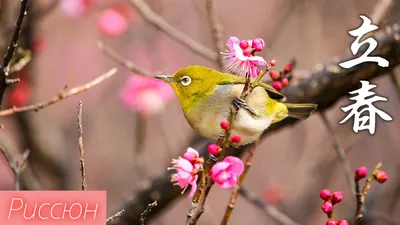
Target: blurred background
131 135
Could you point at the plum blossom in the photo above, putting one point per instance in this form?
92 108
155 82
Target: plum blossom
185 174
146 95
226 172
111 22
192 155
241 59
76 8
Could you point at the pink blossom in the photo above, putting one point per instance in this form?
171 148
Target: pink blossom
192 155
226 172
112 23
146 95
242 61
76 8
185 174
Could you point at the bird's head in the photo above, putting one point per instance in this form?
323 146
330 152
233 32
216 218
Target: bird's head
193 84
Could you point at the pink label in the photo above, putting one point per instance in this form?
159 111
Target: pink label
53 207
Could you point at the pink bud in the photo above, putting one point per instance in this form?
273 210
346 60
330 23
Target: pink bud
236 138
247 52
285 82
381 176
243 44
258 44
288 68
361 172
274 75
224 124
342 222
213 149
277 85
337 197
325 194
331 222
327 207
272 62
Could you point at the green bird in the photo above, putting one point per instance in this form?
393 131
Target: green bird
206 97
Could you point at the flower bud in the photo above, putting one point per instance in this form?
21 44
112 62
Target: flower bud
274 75
361 172
331 222
285 82
236 138
337 197
327 207
224 124
342 222
325 194
244 44
288 68
258 44
213 149
272 62
277 85
247 52
381 176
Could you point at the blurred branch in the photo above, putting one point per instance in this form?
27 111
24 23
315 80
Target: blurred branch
395 81
156 20
147 211
381 10
118 214
122 61
330 78
4 68
16 166
216 31
64 94
340 154
80 144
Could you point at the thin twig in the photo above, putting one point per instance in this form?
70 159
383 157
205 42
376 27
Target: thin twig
381 10
122 61
340 153
156 20
147 211
4 68
235 191
63 95
270 210
16 166
216 31
361 194
118 214
80 144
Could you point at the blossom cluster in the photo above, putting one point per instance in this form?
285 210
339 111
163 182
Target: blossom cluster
330 200
280 78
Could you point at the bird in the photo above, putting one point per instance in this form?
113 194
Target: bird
206 97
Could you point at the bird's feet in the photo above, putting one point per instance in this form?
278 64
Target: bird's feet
240 103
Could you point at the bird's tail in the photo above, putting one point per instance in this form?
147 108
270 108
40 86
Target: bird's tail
300 110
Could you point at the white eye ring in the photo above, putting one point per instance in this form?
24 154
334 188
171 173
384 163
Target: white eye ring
186 80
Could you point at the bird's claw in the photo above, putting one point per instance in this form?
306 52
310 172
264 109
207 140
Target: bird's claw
240 103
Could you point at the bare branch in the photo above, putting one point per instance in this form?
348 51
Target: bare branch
147 211
81 151
16 166
156 20
122 61
118 214
63 95
381 10
216 31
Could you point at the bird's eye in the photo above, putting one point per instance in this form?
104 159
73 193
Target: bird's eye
185 81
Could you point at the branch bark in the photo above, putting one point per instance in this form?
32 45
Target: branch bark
330 78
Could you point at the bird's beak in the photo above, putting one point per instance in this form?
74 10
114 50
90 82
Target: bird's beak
165 78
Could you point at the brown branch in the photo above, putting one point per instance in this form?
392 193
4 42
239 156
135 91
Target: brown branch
235 191
330 78
147 211
64 94
156 20
216 31
118 214
80 144
381 10
4 68
122 61
340 154
360 195
16 166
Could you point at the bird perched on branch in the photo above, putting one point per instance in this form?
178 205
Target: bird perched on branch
207 95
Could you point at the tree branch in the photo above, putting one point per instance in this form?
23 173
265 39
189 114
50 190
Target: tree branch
329 79
80 144
216 31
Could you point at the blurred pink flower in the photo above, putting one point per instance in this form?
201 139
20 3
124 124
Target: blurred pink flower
185 174
242 61
146 95
76 8
112 22
225 173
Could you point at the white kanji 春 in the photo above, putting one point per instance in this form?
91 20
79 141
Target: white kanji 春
365 27
363 105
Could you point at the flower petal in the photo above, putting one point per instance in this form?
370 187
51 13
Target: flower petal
219 166
229 183
257 60
236 165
